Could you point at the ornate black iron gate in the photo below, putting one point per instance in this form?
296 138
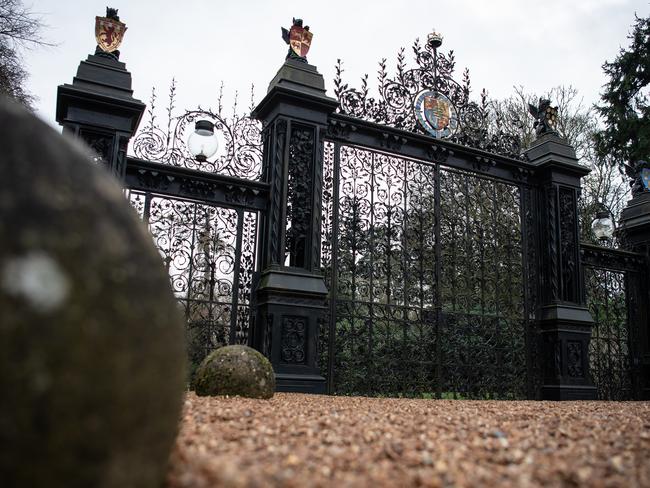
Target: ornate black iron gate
615 284
449 261
426 264
205 227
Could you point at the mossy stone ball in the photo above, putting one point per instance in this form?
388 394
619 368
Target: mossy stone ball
92 355
235 370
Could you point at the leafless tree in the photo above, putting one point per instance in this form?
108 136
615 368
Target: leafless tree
577 123
20 30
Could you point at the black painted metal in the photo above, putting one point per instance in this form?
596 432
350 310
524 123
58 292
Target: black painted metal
205 226
99 108
405 264
425 267
480 125
210 188
634 233
563 319
291 291
615 284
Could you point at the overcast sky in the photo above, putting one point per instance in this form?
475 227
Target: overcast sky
535 43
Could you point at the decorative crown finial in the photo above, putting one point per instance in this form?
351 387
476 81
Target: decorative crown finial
434 40
299 40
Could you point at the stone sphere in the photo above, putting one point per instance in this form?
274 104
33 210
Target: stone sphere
92 360
235 370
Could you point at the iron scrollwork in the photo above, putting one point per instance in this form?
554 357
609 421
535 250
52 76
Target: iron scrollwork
575 367
299 194
101 145
480 125
610 348
294 339
240 139
424 269
568 244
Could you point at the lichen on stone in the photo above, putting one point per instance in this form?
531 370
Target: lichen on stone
235 370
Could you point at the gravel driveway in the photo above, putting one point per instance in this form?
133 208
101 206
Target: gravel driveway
312 440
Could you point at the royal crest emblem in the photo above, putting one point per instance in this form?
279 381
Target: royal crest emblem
436 114
299 40
645 177
109 32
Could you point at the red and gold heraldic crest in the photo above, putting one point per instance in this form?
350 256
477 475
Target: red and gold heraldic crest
300 40
109 33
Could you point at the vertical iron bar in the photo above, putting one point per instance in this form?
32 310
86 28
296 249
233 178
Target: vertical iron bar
371 301
405 323
234 299
468 259
525 206
438 278
335 267
146 213
498 367
190 271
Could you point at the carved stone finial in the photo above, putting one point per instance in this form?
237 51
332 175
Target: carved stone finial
299 40
545 117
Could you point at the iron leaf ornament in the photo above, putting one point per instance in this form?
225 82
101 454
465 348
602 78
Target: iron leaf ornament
299 40
545 117
427 99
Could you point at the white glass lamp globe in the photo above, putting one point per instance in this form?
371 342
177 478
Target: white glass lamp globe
203 142
603 226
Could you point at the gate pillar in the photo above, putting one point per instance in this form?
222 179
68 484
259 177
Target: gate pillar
291 290
99 108
634 234
565 322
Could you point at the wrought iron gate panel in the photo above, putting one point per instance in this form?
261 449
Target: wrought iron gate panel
425 270
611 281
482 286
609 352
210 254
203 216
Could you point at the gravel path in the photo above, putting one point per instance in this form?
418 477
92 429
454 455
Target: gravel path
311 440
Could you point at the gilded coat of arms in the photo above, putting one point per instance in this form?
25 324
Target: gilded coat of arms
109 31
436 113
299 40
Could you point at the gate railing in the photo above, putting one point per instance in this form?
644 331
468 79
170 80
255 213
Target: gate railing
615 283
205 226
456 270
424 253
